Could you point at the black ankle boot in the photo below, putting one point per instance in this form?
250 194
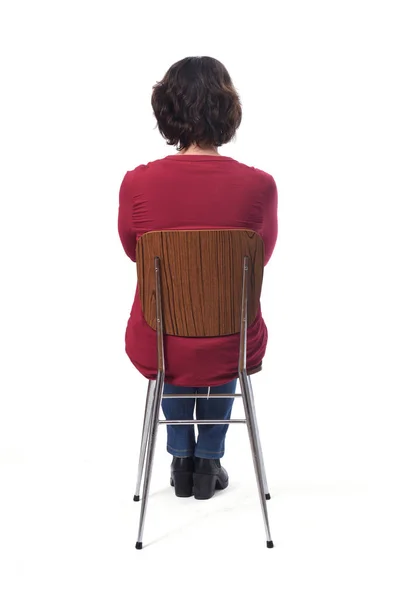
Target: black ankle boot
182 476
208 476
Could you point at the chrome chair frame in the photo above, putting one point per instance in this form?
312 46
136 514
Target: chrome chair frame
153 404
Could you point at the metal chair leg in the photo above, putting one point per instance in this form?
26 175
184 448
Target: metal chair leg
267 494
155 413
255 450
145 436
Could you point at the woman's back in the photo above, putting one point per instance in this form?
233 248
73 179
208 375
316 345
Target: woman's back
189 191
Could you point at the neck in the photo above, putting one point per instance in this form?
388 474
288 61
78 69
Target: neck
195 149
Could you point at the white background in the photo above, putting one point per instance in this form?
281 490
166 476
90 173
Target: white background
319 86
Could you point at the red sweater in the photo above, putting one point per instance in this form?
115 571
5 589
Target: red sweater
195 192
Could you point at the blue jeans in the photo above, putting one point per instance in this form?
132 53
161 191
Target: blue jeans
211 438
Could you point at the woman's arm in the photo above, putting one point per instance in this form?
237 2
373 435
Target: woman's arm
270 221
126 229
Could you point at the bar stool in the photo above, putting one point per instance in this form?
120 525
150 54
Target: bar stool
199 283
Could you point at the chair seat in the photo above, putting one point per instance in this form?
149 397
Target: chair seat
256 369
252 371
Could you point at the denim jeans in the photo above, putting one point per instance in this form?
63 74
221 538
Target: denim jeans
211 438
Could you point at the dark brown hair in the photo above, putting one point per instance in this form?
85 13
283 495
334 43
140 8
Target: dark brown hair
196 103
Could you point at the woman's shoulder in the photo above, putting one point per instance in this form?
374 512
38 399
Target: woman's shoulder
255 170
259 176
142 169
265 179
137 171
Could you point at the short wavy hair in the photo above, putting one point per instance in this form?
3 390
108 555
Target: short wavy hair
196 103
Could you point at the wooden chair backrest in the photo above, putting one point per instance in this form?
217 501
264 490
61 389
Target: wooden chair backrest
201 279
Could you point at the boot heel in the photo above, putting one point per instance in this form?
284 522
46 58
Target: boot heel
204 485
183 484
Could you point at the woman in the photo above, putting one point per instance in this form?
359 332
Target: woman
197 110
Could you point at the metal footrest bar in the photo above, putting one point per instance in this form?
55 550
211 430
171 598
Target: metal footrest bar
201 422
202 396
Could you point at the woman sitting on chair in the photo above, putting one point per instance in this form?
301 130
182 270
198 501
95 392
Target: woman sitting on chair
197 110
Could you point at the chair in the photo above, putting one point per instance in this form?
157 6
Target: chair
214 278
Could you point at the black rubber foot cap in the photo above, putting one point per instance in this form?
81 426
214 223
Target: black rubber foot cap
268 496
136 498
139 545
270 544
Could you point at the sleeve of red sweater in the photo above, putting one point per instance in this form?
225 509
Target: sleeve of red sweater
269 232
126 228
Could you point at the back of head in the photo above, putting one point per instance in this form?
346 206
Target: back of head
196 103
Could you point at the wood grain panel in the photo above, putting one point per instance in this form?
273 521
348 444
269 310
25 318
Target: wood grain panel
201 279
